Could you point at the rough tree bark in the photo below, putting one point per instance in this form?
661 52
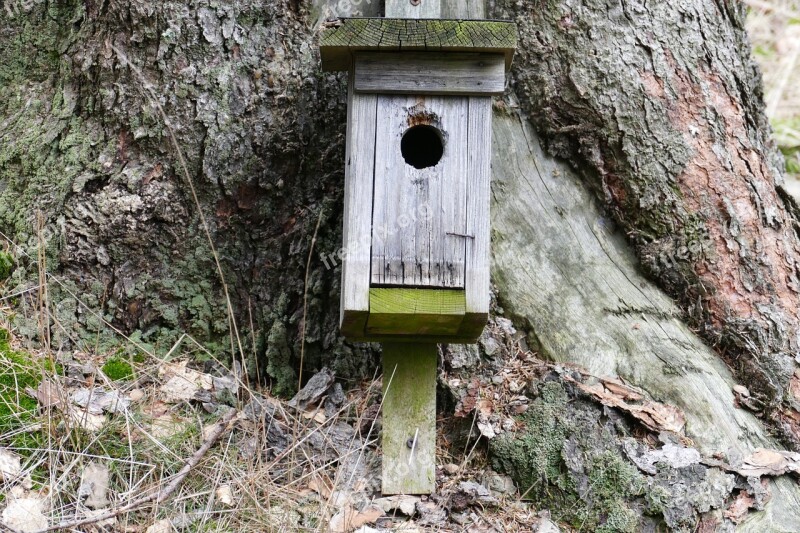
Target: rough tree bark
659 247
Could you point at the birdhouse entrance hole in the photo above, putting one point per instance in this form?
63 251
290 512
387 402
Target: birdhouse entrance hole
422 146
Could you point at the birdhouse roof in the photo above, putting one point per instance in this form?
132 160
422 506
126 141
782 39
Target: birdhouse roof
341 38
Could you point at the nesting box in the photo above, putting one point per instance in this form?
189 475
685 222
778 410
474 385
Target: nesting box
416 222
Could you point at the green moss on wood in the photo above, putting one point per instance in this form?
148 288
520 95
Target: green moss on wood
366 34
415 312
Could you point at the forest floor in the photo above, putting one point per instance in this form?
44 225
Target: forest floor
128 441
136 443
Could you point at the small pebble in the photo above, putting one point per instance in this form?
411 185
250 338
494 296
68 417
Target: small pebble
451 469
741 390
136 395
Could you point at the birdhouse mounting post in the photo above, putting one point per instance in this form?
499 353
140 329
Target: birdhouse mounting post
415 262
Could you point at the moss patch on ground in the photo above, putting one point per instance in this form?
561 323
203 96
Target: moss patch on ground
18 371
6 265
118 369
564 460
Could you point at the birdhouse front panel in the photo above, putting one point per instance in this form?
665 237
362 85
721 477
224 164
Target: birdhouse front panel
419 212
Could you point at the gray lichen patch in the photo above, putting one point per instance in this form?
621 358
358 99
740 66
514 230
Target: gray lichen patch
261 130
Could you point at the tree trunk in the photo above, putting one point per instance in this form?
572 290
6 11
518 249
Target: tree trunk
639 225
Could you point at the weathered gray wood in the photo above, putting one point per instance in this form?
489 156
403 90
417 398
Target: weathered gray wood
341 39
463 9
478 179
421 73
409 418
359 165
561 267
419 218
425 9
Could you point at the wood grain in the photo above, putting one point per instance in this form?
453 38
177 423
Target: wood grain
348 36
563 269
419 218
358 189
425 9
421 73
478 179
409 417
415 312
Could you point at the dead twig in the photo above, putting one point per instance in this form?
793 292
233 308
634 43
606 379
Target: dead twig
159 496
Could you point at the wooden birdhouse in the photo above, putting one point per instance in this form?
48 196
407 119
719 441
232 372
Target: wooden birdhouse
416 223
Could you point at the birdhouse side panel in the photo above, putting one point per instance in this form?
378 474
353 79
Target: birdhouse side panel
479 170
359 176
419 212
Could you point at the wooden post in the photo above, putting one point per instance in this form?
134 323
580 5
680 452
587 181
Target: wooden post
409 373
414 9
409 370
409 418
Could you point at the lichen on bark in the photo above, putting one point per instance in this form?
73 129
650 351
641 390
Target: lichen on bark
262 131
659 107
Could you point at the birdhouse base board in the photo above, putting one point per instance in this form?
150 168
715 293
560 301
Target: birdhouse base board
415 311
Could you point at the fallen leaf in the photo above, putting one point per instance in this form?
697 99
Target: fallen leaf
322 485
348 519
225 495
317 416
47 394
10 465
183 383
162 526
136 394
765 462
98 400
94 485
738 509
166 426
486 430
407 505
86 420
25 515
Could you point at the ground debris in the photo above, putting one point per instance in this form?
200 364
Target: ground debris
93 489
314 390
25 515
349 519
10 466
470 493
770 463
99 400
655 416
